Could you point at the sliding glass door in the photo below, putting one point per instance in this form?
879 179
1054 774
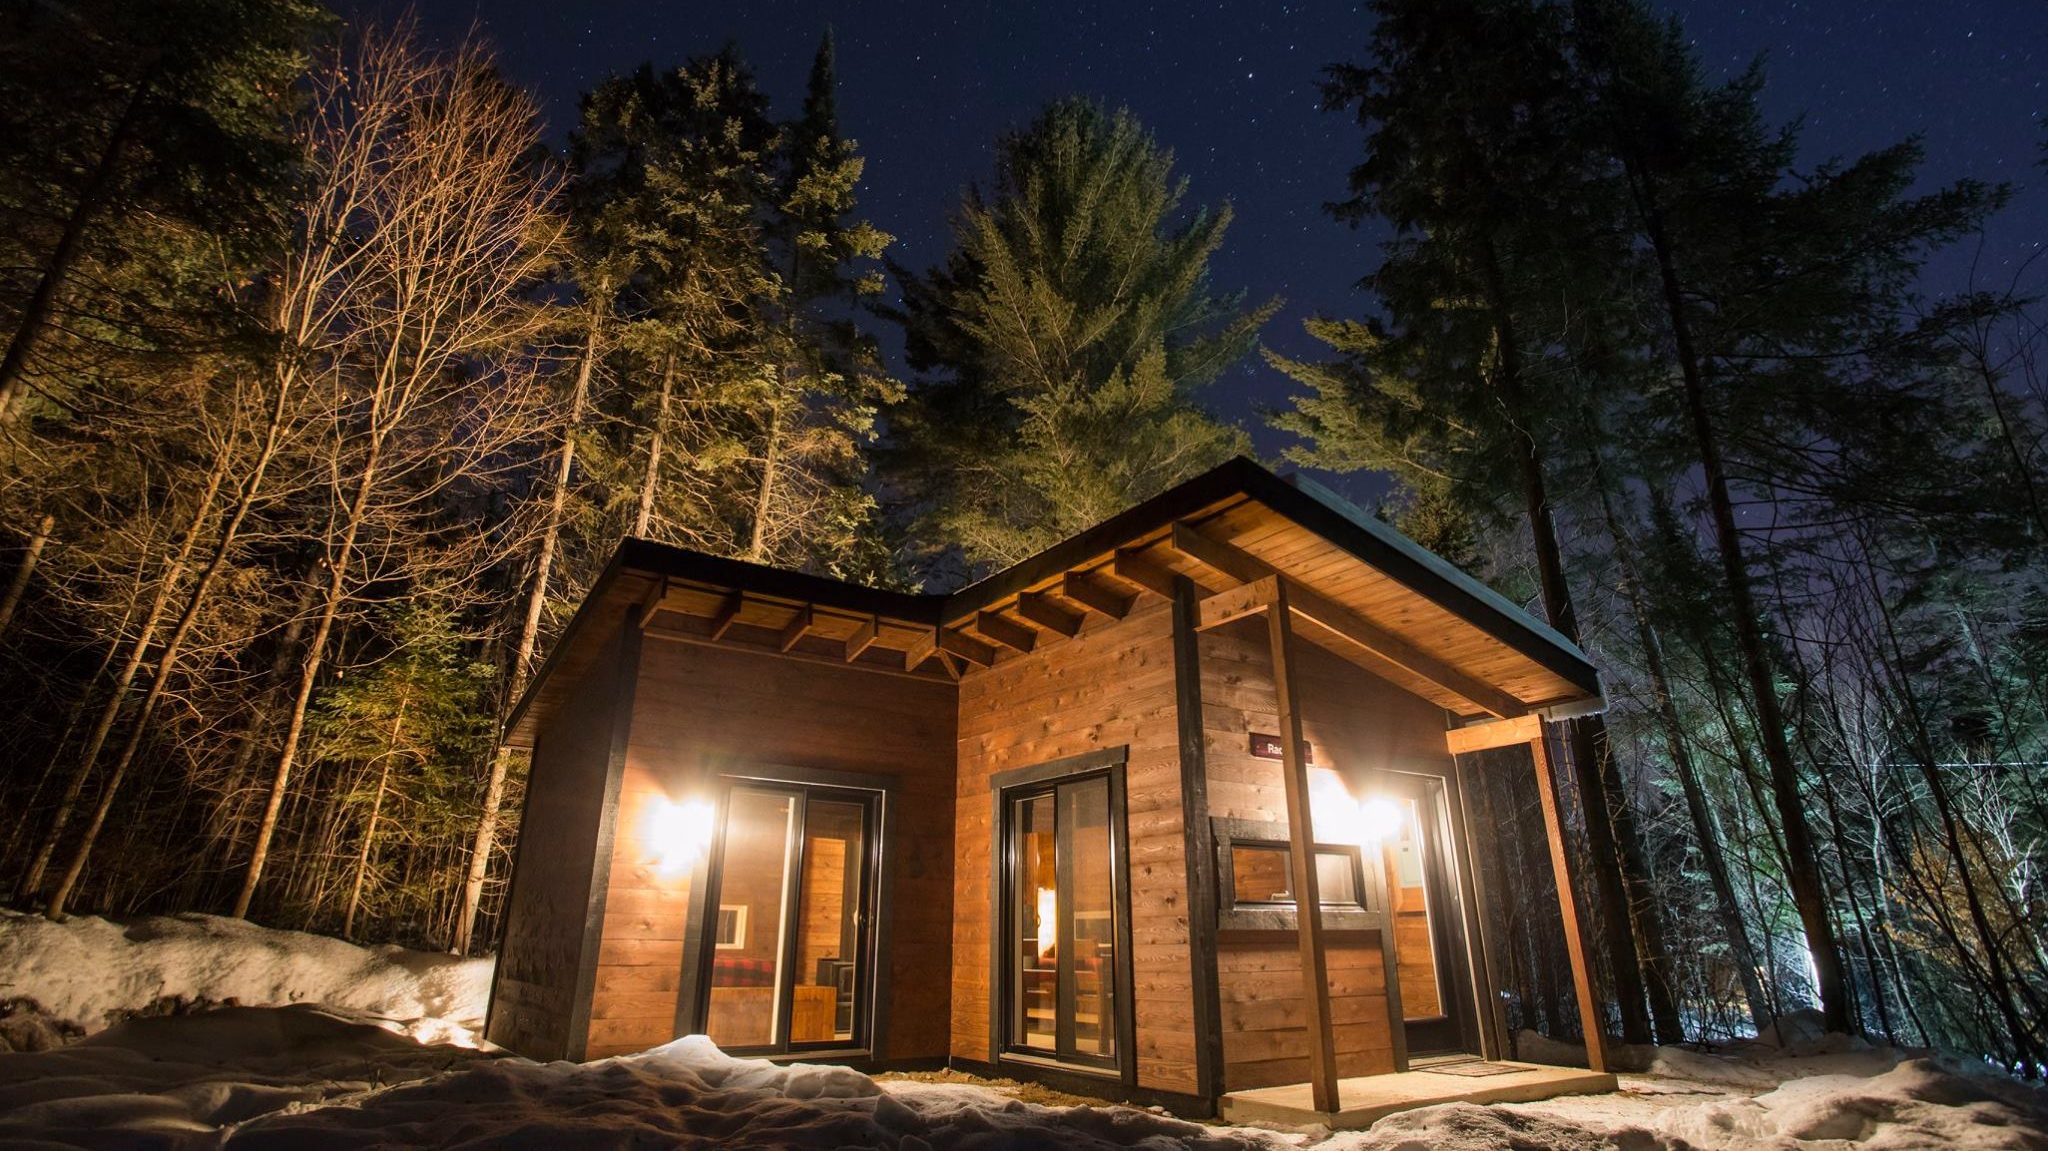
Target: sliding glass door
1061 969
788 954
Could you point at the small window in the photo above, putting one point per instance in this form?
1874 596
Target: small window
1262 873
732 926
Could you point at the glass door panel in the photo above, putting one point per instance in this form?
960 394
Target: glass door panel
1062 953
790 941
751 932
1091 924
829 967
1034 958
1428 931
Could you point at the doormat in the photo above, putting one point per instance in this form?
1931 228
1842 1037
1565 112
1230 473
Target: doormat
1477 1069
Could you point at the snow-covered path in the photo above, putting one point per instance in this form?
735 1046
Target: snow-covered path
357 1075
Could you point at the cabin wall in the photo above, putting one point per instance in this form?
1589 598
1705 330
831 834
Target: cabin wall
1112 685
534 993
1354 722
701 709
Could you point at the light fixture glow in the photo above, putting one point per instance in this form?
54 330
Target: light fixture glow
678 834
1380 818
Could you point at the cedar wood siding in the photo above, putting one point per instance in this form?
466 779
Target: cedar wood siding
1354 722
1112 685
703 710
535 992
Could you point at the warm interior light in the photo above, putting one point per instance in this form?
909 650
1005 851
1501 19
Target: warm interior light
1048 923
1380 818
678 834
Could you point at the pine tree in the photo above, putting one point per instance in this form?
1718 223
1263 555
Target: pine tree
1473 155
1062 345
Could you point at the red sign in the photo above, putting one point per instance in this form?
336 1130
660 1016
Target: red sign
1268 747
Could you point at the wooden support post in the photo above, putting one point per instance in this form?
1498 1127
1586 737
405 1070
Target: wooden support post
1308 901
1568 907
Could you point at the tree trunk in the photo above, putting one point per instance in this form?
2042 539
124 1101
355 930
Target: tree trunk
1803 859
338 562
173 649
522 657
35 314
355 891
1705 833
117 695
1587 734
650 480
757 548
18 586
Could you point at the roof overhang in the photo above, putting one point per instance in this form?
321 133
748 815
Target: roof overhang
1356 586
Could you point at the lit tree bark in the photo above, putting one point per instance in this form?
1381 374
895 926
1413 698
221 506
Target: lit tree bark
764 498
117 694
174 646
355 891
650 480
18 586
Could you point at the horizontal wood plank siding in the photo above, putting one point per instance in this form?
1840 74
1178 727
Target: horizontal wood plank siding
701 711
1111 685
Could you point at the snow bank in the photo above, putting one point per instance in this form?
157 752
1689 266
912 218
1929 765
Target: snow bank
91 972
689 1095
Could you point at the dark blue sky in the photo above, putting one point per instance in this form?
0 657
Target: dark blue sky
1230 87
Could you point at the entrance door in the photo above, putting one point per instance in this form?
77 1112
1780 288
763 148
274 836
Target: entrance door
1060 911
790 939
1429 937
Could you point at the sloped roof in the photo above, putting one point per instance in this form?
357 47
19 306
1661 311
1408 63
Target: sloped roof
1373 595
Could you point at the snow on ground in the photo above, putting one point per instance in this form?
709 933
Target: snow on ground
338 1077
88 973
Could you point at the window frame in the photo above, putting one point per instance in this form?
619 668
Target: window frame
1233 914
1004 789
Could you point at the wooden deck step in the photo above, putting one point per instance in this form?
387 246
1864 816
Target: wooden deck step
1365 1100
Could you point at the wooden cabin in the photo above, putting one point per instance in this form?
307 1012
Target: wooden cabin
1060 824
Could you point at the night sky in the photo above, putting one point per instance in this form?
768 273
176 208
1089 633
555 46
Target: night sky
1230 87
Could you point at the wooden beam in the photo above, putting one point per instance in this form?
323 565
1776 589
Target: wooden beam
1097 594
1243 566
799 626
1237 603
1308 901
1005 630
676 635
921 649
654 601
863 638
1133 566
1042 611
966 646
1498 733
1568 904
728 614
951 665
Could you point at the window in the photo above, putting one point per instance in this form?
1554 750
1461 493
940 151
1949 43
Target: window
732 926
1255 880
1263 873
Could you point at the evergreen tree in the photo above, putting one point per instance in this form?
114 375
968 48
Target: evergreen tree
1062 344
